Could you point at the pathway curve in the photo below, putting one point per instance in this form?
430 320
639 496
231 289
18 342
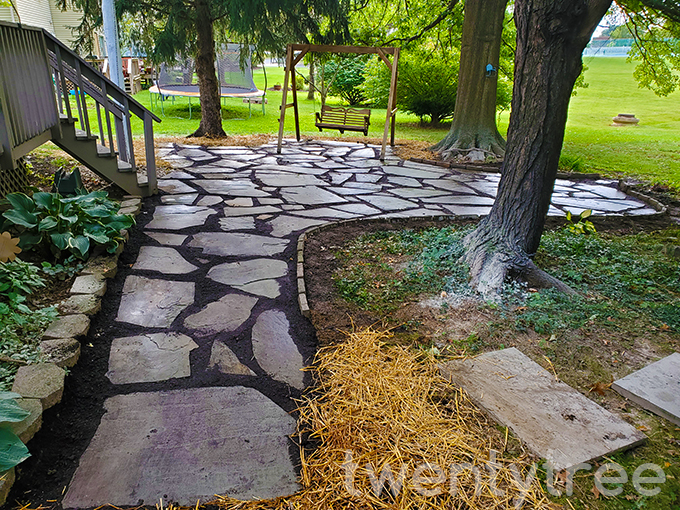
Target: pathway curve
211 302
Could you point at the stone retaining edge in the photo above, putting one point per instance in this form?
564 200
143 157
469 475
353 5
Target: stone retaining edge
48 391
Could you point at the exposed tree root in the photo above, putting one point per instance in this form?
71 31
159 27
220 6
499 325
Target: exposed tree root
473 145
201 132
493 261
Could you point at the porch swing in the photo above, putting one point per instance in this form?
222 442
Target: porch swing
337 117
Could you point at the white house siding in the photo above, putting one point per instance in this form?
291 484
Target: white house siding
36 13
64 22
6 14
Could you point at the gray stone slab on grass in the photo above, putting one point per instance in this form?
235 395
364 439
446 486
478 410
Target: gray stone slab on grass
44 381
222 316
310 195
236 244
168 239
163 260
28 427
175 187
150 358
87 304
63 352
89 284
184 446
656 387
555 421
284 225
275 350
68 326
226 361
153 303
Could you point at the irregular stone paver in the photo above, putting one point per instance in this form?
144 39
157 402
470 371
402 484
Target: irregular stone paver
310 195
150 358
43 381
278 179
153 303
237 223
236 244
169 239
238 188
555 421
174 186
209 201
250 211
275 350
226 361
182 449
240 273
177 217
656 387
387 203
163 260
284 225
187 199
223 316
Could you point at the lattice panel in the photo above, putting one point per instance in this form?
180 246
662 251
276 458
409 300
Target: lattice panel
13 180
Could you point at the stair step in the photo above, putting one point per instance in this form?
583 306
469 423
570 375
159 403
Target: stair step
65 119
82 135
105 152
124 166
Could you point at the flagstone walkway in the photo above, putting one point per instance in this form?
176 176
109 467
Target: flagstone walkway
212 292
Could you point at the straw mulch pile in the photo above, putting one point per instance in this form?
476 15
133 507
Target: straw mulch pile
386 406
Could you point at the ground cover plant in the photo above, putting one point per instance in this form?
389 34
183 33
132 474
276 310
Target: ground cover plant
624 316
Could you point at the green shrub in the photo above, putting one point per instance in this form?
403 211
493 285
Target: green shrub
67 226
376 84
344 77
427 88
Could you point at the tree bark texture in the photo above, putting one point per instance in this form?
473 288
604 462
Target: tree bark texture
208 84
551 36
474 119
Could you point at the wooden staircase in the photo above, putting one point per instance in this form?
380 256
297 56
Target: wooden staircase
47 92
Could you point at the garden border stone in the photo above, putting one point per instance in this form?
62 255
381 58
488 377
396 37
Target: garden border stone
100 267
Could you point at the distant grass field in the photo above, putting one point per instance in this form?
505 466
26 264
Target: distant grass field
650 151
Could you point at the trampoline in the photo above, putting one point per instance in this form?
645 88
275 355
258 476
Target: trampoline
180 80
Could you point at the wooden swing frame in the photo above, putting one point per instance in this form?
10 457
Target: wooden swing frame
295 53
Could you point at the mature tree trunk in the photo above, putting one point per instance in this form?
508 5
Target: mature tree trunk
310 92
473 132
208 84
551 35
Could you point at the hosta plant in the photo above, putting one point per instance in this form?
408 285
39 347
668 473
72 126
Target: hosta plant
67 226
12 450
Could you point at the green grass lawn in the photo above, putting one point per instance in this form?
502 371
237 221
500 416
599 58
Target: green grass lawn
649 151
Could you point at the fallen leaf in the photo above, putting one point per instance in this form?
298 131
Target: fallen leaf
600 387
664 327
643 428
444 294
8 247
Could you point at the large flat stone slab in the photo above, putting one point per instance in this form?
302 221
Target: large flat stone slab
237 274
656 387
223 316
183 446
236 244
310 195
163 260
232 187
177 217
275 350
153 303
150 358
285 225
555 421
